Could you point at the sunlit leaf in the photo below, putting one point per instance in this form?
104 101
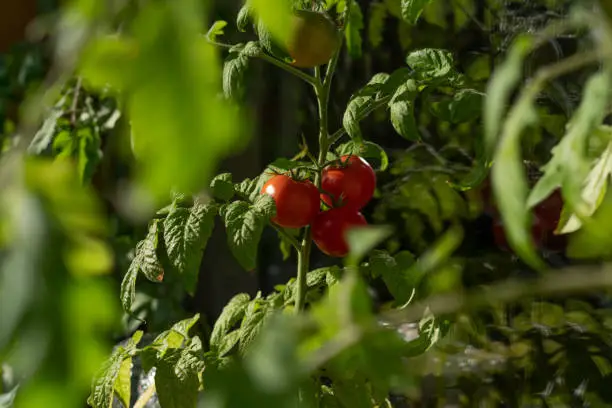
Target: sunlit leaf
123 382
431 63
232 313
360 103
378 14
402 110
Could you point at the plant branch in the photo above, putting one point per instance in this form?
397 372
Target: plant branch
268 58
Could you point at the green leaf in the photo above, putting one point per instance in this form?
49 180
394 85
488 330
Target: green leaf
244 224
234 68
412 9
243 18
570 165
123 382
402 110
229 343
186 233
500 87
378 14
232 313
431 63
128 287
250 189
361 103
254 317
222 187
176 377
593 192
362 240
438 253
216 30
464 106
176 337
145 258
103 386
352 32
396 273
365 149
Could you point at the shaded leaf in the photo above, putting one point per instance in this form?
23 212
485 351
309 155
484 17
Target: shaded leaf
353 29
402 110
365 149
395 272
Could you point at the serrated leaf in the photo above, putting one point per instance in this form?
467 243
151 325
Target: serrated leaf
232 313
216 30
177 376
402 110
186 233
412 9
431 63
244 223
250 189
353 29
123 382
43 138
103 386
222 187
395 272
176 337
128 287
234 68
254 317
365 149
361 103
146 253
230 341
431 330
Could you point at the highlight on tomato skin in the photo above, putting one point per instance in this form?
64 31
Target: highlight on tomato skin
297 202
330 227
350 184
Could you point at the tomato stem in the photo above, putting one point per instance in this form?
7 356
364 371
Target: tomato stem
322 89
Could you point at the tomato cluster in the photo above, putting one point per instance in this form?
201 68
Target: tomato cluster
345 189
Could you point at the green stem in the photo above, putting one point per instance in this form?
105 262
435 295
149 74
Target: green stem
322 90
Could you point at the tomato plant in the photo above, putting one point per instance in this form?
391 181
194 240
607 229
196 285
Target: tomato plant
119 178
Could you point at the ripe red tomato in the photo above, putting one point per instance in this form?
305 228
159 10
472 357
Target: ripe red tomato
297 202
538 233
330 227
352 184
